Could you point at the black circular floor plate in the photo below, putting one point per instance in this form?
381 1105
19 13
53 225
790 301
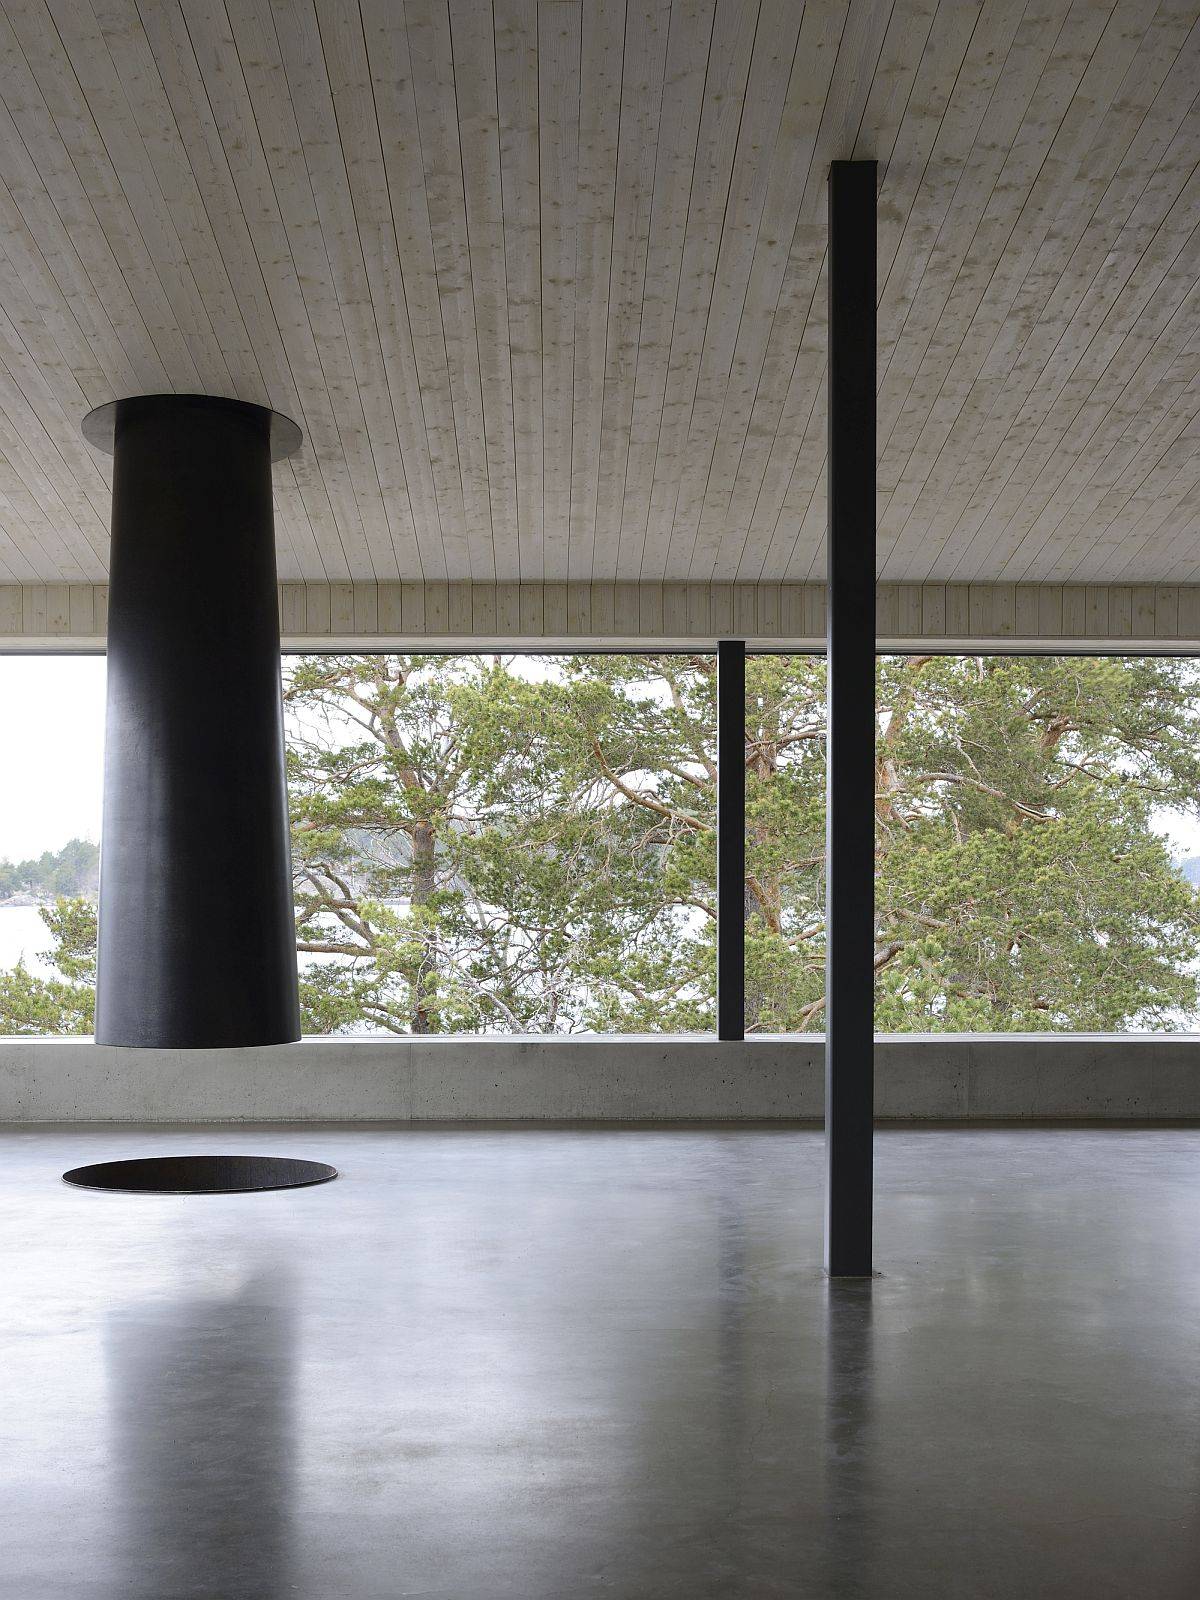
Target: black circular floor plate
200 1174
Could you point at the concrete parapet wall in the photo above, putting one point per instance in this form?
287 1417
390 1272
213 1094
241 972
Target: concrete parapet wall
642 1078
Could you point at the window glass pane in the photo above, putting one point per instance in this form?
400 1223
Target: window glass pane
516 844
1037 844
785 843
1033 814
52 735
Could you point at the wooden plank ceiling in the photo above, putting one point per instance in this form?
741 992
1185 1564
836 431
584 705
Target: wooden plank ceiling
543 281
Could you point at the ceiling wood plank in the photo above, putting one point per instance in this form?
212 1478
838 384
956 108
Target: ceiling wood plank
1072 210
517 104
437 125
313 59
688 48
227 92
601 52
767 168
833 86
474 48
302 501
293 207
560 41
735 31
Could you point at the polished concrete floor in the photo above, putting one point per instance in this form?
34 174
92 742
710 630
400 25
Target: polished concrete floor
498 1363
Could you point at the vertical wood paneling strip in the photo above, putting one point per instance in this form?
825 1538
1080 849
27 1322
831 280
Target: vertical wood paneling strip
698 610
341 608
933 610
555 601
768 611
391 607
603 601
626 609
1166 611
674 610
483 609
1050 610
83 610
791 610
458 611
508 610
1003 610
745 611
1120 611
317 609
292 608
366 608
1025 624
33 608
721 610
530 603
11 615
414 599
435 614
579 609
650 609
887 610
1188 623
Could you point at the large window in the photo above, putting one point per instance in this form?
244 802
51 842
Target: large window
525 844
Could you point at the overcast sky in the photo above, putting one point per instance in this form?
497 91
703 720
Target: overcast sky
52 752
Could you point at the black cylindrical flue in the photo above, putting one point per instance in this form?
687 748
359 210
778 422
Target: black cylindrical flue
197 944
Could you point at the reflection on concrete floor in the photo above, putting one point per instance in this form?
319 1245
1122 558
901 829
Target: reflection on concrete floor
541 1363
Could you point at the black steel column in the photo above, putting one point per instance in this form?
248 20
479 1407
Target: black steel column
850 826
197 943
731 839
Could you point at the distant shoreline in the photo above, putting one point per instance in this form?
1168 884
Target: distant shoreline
23 902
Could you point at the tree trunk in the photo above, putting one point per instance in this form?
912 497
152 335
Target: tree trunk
753 999
423 883
762 762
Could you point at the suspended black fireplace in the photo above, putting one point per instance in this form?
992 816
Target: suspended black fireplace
196 941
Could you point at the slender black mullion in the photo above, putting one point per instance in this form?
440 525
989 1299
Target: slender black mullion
731 839
850 816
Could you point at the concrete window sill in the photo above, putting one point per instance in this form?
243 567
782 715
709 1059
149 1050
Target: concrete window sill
627 1077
